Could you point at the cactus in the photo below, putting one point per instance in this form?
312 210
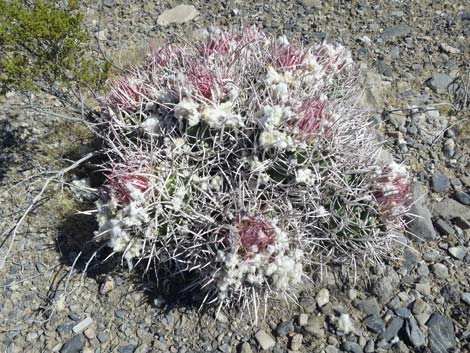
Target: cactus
246 161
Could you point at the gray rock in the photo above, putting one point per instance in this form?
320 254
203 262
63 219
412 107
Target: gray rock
369 306
450 209
102 337
420 307
466 298
429 125
422 226
370 347
398 119
351 347
423 270
415 335
265 340
463 197
392 329
225 348
423 288
284 328
394 32
130 348
245 348
331 349
449 148
375 90
120 314
444 228
108 3
375 324
432 256
383 68
384 286
440 182
458 252
179 14
441 334
439 82
73 345
440 271
403 312
315 326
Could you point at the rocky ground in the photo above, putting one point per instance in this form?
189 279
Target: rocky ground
416 57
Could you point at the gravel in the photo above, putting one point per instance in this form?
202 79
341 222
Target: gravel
401 45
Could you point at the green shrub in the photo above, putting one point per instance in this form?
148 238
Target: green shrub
43 47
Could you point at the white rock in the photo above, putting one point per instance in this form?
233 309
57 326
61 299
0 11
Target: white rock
296 342
179 14
345 324
466 298
264 340
303 319
323 297
82 325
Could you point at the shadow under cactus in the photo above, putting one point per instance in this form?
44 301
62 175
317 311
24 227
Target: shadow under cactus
78 249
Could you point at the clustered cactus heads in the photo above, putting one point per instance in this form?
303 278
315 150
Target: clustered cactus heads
246 161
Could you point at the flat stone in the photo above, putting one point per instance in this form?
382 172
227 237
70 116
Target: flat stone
444 228
420 307
82 325
331 349
422 226
108 3
422 318
315 326
130 348
344 324
430 126
449 209
415 335
423 288
303 319
369 306
246 348
439 82
392 329
403 312
384 286
394 32
179 14
441 334
375 324
463 197
458 252
265 340
351 347
73 345
440 271
323 297
370 347
432 256
440 182
120 314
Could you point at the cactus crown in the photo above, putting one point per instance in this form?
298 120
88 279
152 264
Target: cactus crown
248 161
